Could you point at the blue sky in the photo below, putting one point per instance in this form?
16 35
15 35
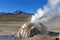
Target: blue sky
30 6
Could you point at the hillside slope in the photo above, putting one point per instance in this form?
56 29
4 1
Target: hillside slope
14 16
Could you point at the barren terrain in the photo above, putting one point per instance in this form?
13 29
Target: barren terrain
13 27
9 26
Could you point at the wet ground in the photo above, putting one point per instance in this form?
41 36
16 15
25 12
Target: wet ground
8 37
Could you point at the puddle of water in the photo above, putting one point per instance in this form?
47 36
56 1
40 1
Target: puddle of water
8 37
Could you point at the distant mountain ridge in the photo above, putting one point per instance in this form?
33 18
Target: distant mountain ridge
15 16
18 12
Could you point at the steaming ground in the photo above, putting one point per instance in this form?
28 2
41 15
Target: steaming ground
9 28
49 14
49 11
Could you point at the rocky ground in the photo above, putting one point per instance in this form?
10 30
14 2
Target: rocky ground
7 31
35 35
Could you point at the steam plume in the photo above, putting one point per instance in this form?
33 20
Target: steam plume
49 11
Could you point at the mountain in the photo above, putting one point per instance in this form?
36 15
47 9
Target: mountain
15 16
17 12
20 12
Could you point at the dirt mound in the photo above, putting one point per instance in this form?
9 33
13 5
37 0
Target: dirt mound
43 37
35 35
40 37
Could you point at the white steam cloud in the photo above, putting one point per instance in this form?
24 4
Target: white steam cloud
49 11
